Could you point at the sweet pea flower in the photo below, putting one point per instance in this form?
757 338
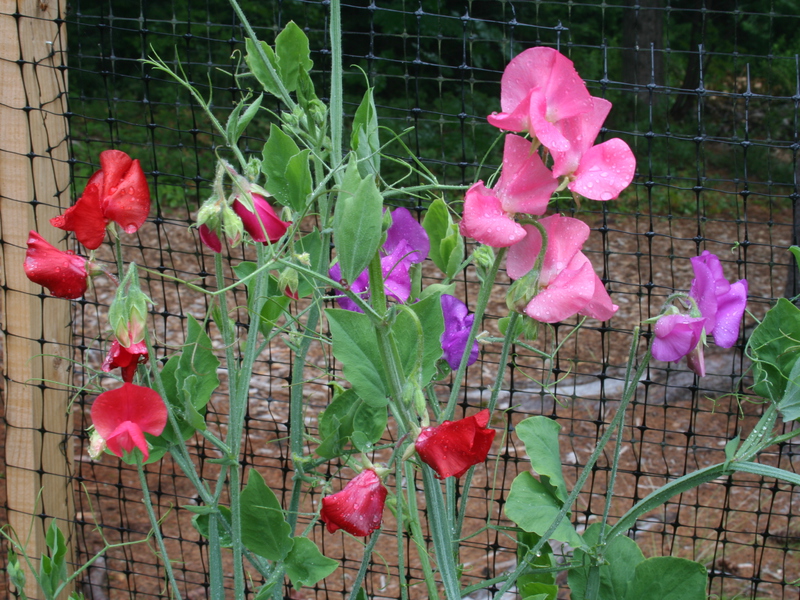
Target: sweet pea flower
117 192
539 88
128 359
358 508
676 336
121 417
406 244
263 225
525 186
457 325
567 284
451 448
61 272
720 302
209 238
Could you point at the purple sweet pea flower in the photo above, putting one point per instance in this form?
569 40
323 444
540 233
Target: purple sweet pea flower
406 243
676 336
720 302
457 324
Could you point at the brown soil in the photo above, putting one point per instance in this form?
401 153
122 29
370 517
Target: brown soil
743 529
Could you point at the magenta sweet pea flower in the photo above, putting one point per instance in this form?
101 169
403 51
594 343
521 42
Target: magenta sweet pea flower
676 335
525 186
358 508
720 302
263 225
567 284
63 273
539 88
406 244
457 325
451 448
121 417
210 238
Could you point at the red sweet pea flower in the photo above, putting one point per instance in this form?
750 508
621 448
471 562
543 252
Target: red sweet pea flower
63 273
358 508
454 446
117 192
126 358
264 221
124 415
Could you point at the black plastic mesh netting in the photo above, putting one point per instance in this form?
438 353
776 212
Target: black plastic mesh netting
706 92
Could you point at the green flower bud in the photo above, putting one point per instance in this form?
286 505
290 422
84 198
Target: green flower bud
127 314
232 226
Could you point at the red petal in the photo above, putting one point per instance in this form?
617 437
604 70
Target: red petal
134 403
127 436
263 225
85 217
127 197
454 446
210 238
358 508
114 164
63 273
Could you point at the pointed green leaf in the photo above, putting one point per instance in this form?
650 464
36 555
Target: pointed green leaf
201 521
265 530
405 331
356 347
789 404
668 578
357 223
621 556
243 121
540 436
293 52
306 565
197 359
259 69
437 223
532 506
365 139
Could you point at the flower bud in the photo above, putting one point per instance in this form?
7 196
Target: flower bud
288 281
128 312
253 169
483 258
232 226
97 445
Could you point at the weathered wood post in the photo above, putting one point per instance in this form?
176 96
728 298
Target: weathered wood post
34 186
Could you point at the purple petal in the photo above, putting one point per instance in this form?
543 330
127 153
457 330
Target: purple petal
457 325
676 336
405 228
730 309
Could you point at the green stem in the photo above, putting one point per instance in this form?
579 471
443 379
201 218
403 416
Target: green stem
416 533
215 574
225 326
483 300
441 533
156 527
401 530
623 405
356 585
337 93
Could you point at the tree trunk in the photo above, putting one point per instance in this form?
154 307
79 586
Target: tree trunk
643 28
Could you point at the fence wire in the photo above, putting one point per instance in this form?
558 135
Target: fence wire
706 92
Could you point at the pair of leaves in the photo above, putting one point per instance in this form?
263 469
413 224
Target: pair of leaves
53 567
290 57
355 345
776 369
287 169
240 118
534 503
348 418
266 533
447 247
627 575
357 222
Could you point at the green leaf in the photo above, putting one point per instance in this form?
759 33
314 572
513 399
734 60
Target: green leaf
201 521
356 347
437 289
621 555
249 115
370 421
310 244
291 46
365 140
535 590
287 169
429 312
540 436
773 347
789 404
357 223
306 565
336 424
544 559
196 374
668 578
275 303
437 223
796 253
730 448
532 506
454 245
259 69
265 530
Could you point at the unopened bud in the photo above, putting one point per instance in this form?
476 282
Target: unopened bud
232 226
304 259
127 314
253 169
288 282
97 445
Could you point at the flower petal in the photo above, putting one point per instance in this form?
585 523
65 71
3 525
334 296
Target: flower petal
485 221
127 195
451 448
730 309
209 238
134 403
405 228
63 273
565 296
580 131
605 170
676 335
358 508
264 225
525 185
457 325
85 217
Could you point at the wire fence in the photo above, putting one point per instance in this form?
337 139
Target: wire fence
706 92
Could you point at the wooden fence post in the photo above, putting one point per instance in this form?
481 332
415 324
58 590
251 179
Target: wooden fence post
34 186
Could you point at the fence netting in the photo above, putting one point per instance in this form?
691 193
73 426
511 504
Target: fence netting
705 92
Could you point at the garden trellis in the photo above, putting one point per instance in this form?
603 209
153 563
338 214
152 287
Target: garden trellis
710 110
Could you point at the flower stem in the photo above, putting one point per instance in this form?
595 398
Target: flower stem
356 585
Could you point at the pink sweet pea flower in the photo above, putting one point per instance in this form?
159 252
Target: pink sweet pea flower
720 302
567 284
117 192
451 448
539 88
263 225
128 359
122 416
358 508
209 238
63 273
525 186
